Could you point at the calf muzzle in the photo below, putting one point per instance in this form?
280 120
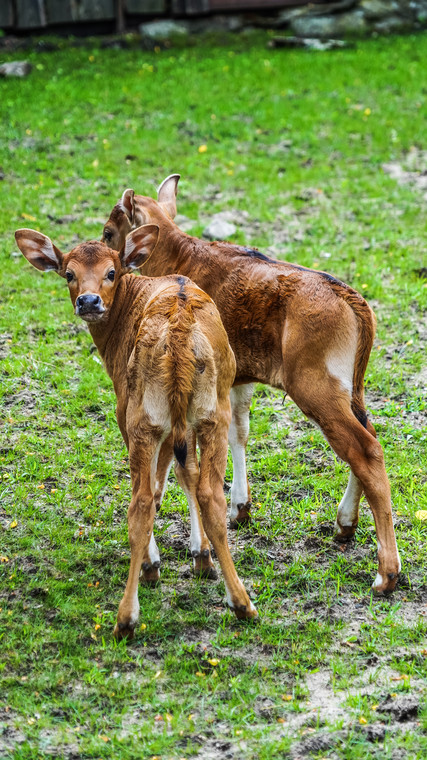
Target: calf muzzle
89 306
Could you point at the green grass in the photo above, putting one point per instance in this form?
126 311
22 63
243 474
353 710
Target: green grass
296 139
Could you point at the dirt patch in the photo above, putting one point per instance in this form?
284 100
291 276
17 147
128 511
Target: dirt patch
412 171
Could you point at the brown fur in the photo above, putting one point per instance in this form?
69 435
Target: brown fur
153 334
297 329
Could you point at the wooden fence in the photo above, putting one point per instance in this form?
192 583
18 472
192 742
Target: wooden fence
39 14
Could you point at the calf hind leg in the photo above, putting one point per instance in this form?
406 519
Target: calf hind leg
359 447
144 552
348 509
210 492
188 478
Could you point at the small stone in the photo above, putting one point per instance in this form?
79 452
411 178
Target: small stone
312 43
374 9
218 229
392 24
15 69
163 30
351 23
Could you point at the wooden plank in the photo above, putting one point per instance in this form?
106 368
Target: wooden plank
145 6
6 14
194 7
30 14
178 7
234 5
67 11
93 10
58 11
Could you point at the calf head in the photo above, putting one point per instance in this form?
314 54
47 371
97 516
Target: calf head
92 270
132 211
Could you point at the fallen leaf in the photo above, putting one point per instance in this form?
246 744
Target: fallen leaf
421 515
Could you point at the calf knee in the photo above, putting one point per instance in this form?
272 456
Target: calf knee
204 497
374 452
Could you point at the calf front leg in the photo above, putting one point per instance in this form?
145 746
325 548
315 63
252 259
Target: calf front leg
142 455
164 464
238 434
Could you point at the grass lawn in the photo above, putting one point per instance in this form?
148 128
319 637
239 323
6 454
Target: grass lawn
295 142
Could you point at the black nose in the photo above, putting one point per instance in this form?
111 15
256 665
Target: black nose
88 302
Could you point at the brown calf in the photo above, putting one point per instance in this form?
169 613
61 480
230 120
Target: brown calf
167 353
297 329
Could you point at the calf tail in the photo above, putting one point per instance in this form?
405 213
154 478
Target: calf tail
366 324
179 366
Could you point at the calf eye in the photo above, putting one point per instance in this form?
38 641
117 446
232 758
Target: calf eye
69 276
108 235
111 274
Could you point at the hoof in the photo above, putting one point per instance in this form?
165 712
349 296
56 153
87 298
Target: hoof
124 631
245 611
243 515
150 573
384 585
203 566
344 534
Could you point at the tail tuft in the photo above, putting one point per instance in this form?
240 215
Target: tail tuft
360 413
180 451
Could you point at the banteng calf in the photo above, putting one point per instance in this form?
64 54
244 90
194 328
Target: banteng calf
167 353
299 330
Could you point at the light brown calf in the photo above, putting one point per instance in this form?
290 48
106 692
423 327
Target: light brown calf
167 353
297 329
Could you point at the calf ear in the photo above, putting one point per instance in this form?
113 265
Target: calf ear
39 250
166 194
139 246
127 204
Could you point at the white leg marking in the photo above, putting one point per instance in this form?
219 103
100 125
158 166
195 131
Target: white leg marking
378 581
135 609
240 398
195 535
349 505
252 607
154 461
340 361
153 550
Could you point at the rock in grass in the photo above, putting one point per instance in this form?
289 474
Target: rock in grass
352 23
400 708
15 69
313 43
218 229
163 30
